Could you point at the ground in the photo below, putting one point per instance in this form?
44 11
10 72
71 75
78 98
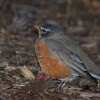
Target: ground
79 19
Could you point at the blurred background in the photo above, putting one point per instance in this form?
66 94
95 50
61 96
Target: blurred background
80 19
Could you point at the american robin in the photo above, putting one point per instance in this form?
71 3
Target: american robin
61 58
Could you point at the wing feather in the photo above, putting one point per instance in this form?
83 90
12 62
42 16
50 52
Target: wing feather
67 57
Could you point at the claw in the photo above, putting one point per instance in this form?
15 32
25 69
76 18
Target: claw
62 84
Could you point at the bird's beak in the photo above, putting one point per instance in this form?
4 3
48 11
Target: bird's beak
36 26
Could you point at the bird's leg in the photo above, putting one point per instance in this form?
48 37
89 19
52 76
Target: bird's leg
63 83
60 85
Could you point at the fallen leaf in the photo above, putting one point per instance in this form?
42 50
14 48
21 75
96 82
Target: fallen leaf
27 73
12 36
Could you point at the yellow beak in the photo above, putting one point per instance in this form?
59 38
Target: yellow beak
36 27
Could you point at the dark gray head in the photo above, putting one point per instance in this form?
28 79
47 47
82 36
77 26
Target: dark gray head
48 30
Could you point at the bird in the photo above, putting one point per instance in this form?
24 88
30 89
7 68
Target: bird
61 58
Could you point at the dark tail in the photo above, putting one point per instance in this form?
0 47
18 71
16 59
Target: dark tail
89 77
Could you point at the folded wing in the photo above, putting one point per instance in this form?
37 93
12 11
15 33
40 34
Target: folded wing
68 57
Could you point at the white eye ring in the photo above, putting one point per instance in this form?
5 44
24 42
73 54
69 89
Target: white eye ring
43 30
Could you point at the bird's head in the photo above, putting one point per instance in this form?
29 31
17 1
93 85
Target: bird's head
48 31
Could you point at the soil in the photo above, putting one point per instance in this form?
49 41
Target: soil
80 19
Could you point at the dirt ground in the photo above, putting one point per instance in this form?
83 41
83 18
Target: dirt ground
80 19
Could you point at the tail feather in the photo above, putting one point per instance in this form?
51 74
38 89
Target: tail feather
95 75
91 78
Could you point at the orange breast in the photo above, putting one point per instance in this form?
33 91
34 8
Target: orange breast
50 65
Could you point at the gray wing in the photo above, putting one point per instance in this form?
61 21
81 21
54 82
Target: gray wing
90 66
67 57
73 56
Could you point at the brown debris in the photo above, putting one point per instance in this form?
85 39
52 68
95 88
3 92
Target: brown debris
80 19
27 73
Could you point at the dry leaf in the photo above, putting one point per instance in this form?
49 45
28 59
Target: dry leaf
12 36
27 73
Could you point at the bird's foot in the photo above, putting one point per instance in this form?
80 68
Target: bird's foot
62 84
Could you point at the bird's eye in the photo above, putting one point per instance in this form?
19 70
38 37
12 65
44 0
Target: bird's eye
44 30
